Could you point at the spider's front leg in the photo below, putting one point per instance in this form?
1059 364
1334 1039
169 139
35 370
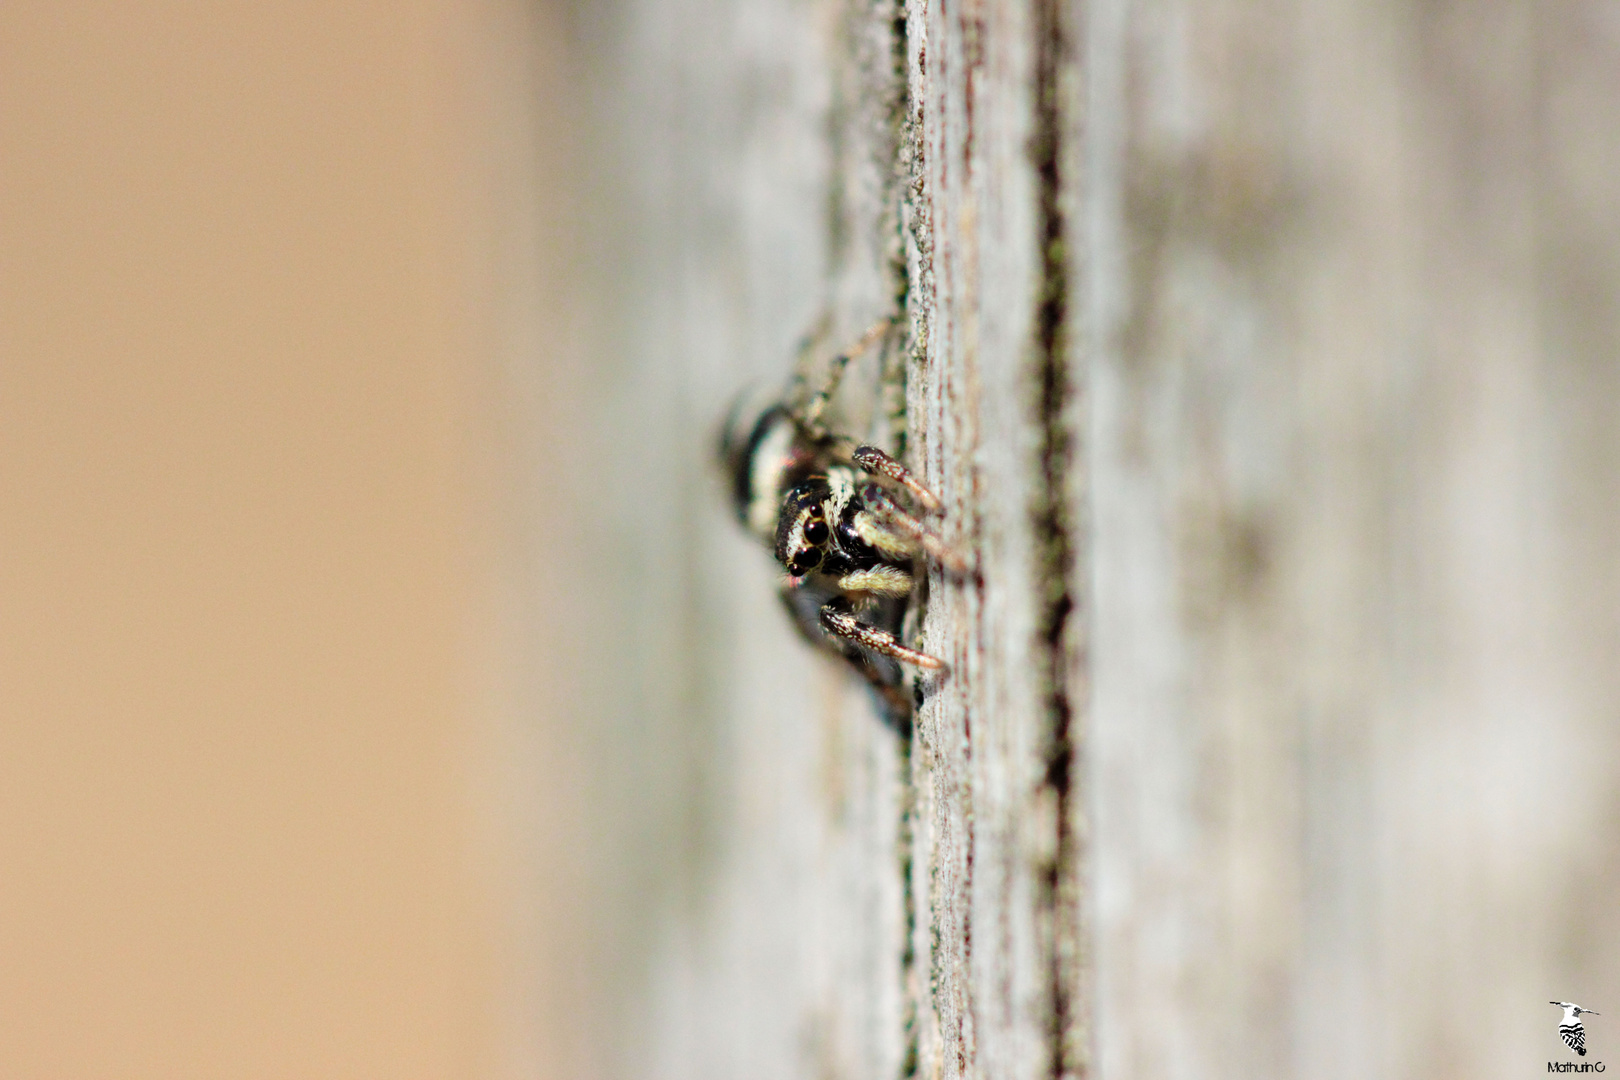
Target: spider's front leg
810 414
894 518
890 517
878 463
883 675
838 617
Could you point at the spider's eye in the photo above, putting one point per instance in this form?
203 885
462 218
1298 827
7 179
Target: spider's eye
804 562
816 532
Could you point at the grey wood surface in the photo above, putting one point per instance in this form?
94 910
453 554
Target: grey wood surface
1264 353
1000 431
1356 312
784 166
758 143
864 902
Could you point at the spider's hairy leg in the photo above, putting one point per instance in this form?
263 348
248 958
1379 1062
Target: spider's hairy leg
838 619
885 580
884 675
878 463
811 416
889 516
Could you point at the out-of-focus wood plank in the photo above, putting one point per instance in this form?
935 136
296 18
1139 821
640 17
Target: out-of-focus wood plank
1355 319
756 145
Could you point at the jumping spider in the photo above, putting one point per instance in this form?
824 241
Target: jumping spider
829 509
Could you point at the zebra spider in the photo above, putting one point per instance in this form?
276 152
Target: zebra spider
829 510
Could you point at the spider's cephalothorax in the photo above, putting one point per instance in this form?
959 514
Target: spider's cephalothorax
831 511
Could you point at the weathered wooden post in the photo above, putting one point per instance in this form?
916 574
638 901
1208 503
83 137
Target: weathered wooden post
1264 355
871 902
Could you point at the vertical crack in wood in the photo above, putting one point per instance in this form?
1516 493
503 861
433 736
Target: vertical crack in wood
906 842
916 249
1055 543
971 35
899 115
917 223
905 159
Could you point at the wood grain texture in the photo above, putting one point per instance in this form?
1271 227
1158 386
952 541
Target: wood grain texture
996 395
867 902
1353 312
1263 353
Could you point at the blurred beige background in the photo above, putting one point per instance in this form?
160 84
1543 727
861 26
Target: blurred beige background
249 694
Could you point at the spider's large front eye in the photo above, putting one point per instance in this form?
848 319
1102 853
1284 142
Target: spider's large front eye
816 532
804 562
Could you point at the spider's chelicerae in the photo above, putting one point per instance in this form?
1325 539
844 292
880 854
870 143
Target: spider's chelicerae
832 511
